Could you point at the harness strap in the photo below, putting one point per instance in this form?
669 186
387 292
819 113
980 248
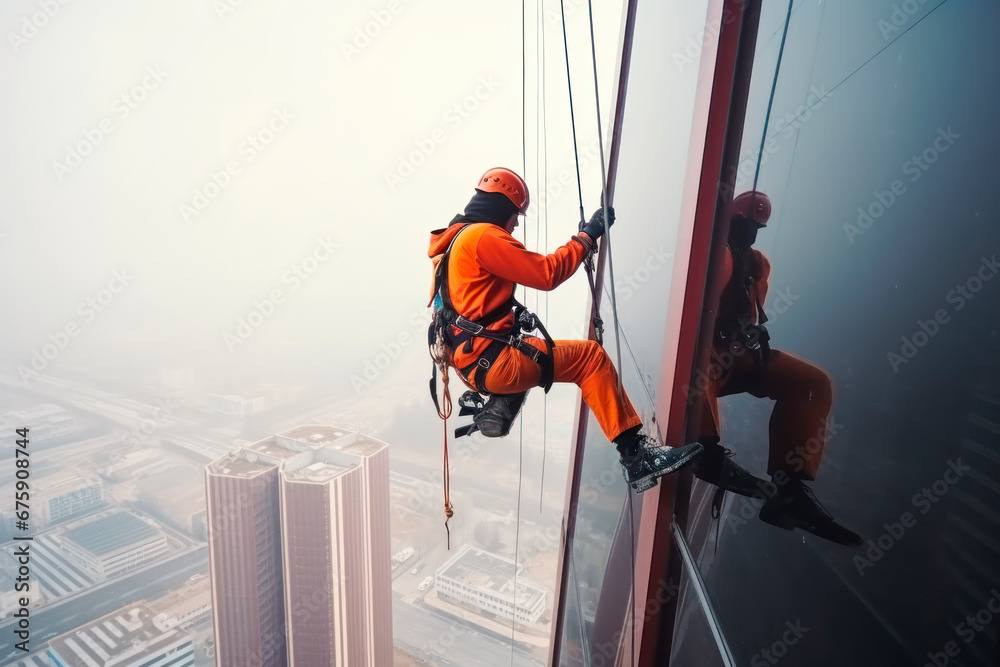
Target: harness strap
761 315
484 363
492 351
451 315
469 329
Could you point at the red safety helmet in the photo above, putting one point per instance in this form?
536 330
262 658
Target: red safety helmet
753 205
507 182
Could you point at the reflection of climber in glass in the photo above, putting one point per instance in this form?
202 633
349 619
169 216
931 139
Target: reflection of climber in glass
743 361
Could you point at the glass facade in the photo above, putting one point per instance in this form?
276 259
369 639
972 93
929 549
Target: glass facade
647 200
869 532
693 641
882 382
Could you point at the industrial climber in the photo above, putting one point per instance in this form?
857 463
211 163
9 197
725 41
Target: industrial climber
480 330
745 362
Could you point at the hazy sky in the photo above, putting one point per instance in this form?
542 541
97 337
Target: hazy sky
215 152
246 189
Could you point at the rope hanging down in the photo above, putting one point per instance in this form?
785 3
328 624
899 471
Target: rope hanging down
605 203
604 198
542 186
439 354
588 262
770 101
520 444
589 265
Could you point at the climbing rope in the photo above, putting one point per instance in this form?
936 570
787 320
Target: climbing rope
588 262
520 418
860 67
770 101
605 203
542 188
604 195
439 354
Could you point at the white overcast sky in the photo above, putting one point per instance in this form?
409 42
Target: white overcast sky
223 72
162 97
118 115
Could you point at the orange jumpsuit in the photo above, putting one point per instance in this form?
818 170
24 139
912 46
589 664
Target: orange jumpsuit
486 265
802 391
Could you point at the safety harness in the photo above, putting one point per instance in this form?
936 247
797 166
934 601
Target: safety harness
453 329
736 329
448 330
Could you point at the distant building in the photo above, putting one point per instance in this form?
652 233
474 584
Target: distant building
174 496
113 544
63 495
44 420
230 404
244 540
183 606
485 581
137 465
331 519
124 638
346 475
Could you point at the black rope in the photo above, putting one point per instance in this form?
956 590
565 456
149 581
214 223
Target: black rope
517 535
774 84
520 446
588 262
865 63
572 115
605 203
524 121
635 362
631 560
543 188
604 197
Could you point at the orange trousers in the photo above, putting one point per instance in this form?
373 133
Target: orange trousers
582 362
803 397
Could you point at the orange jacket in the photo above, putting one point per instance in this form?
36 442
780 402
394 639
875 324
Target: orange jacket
733 303
486 265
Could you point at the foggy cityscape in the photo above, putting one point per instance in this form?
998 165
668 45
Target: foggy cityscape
219 446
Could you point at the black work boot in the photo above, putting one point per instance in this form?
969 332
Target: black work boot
716 466
495 418
652 461
795 506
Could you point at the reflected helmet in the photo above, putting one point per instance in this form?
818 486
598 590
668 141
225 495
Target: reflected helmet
752 205
507 182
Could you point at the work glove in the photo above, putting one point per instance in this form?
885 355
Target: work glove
596 227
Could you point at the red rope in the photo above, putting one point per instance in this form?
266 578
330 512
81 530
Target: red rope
444 412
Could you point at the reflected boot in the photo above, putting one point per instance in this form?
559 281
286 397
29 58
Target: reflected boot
716 466
795 506
644 461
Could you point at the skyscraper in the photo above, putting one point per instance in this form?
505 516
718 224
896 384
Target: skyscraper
321 496
244 538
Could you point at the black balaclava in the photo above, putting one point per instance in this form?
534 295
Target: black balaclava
492 207
742 233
